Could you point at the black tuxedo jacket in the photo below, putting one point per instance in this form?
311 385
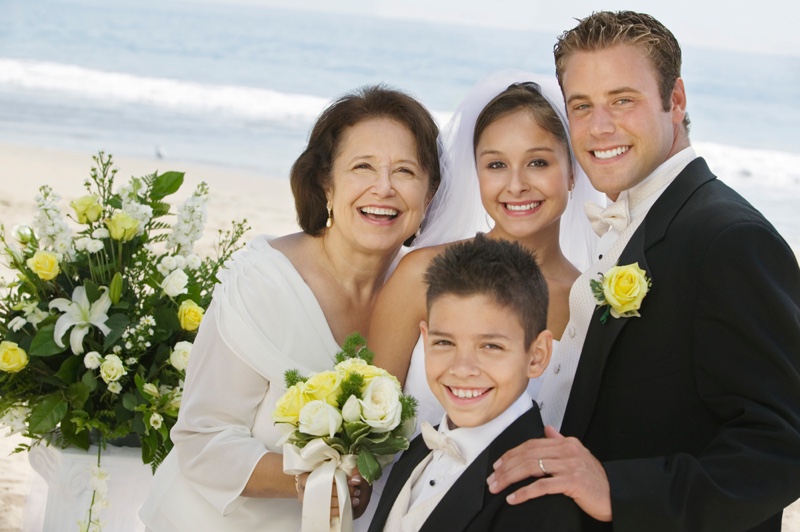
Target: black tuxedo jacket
694 407
469 505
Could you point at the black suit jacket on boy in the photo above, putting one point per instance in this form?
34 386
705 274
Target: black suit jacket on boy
469 505
694 407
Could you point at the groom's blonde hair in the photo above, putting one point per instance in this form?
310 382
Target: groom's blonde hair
606 29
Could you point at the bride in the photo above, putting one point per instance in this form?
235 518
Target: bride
505 156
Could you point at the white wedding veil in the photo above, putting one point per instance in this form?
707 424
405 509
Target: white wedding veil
456 211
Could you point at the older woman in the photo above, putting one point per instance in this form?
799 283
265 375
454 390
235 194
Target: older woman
361 188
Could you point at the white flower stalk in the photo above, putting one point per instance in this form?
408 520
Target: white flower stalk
50 224
192 215
79 314
132 203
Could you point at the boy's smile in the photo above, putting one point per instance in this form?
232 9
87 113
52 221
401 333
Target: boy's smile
475 357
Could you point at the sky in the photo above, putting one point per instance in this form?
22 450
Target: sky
763 26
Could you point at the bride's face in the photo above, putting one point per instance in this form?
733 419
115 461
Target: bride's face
524 173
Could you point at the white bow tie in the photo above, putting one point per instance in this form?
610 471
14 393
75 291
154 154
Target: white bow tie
602 219
435 440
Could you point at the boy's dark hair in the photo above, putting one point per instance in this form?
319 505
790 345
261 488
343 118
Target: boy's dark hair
503 271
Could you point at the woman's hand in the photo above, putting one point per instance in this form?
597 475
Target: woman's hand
360 493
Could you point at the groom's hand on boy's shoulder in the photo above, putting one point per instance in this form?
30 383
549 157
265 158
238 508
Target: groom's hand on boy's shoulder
561 465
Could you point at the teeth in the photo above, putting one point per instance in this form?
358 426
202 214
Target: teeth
528 207
379 211
468 393
607 154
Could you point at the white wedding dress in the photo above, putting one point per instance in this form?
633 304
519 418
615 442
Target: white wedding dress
263 320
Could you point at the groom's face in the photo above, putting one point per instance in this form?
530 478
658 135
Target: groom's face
618 126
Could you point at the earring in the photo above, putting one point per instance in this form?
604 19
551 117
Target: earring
419 229
329 221
570 190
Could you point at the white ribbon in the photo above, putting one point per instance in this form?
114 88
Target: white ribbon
326 466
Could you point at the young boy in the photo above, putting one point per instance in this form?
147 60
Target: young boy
484 338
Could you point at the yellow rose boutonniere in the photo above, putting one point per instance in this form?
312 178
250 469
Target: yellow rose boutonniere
622 289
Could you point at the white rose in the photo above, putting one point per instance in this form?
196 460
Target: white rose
318 418
168 263
100 233
193 262
174 284
80 243
180 260
93 246
92 360
179 358
114 387
351 411
381 408
112 369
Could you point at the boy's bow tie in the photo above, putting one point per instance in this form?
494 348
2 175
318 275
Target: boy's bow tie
435 440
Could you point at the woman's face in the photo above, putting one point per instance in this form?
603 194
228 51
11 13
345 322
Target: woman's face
524 173
379 190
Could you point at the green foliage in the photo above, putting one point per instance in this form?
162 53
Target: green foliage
65 396
292 377
355 346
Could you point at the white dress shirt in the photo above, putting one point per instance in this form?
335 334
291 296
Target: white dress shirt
437 473
555 390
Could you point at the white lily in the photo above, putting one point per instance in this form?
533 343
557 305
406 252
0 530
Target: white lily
80 314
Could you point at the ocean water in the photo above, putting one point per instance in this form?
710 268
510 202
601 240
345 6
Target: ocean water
240 85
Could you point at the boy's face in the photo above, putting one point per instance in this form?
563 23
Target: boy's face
475 357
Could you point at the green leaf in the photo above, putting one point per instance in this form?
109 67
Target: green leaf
68 372
391 445
368 466
92 290
71 435
129 401
90 380
47 414
44 344
77 395
356 431
117 323
166 184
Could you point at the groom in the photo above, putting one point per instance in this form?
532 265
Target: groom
688 416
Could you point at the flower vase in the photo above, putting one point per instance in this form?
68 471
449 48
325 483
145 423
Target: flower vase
61 494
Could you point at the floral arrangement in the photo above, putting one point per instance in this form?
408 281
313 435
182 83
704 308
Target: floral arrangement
353 417
622 290
98 323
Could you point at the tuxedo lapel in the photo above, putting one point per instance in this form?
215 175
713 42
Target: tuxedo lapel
600 337
401 471
467 497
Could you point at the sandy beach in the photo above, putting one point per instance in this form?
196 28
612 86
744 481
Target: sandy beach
265 202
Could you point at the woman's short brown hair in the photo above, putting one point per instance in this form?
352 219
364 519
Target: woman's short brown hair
311 173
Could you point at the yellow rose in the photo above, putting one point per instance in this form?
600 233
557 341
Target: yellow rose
12 357
360 366
190 314
44 264
87 208
624 288
121 226
287 408
325 386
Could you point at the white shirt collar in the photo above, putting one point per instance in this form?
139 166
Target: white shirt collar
472 441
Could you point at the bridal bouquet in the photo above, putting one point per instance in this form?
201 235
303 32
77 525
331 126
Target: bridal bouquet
353 417
98 321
